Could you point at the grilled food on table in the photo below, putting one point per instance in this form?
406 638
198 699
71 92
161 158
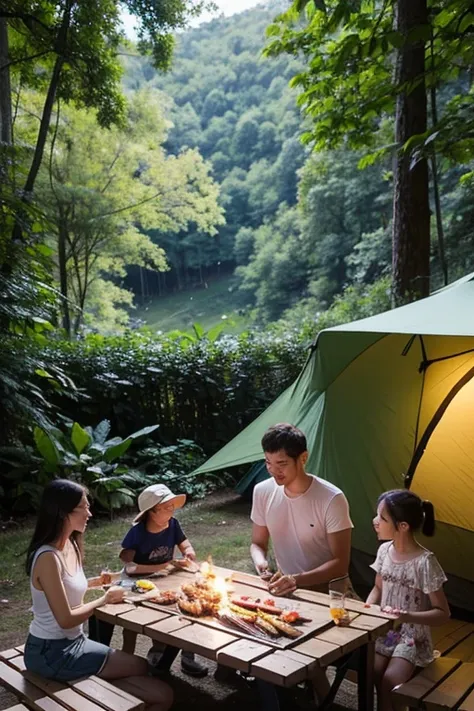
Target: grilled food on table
254 604
246 615
258 617
267 627
143 586
165 597
190 607
279 625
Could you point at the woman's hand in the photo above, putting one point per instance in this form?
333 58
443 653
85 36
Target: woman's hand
114 595
282 585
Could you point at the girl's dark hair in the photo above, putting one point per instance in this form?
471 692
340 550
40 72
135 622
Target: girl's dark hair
60 498
405 506
286 437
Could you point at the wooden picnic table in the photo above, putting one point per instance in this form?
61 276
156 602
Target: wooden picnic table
285 666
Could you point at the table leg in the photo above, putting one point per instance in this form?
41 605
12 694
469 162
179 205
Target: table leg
129 641
269 696
365 686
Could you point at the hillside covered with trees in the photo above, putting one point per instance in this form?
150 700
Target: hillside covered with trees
301 225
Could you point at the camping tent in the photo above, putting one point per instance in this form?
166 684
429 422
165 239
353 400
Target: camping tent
387 402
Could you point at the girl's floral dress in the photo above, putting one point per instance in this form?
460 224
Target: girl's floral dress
406 586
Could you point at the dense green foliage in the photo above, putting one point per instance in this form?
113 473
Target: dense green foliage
236 107
107 197
303 226
193 388
373 60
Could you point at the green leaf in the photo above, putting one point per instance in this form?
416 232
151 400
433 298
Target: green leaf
46 446
80 438
214 333
198 330
43 373
396 39
95 470
145 431
101 432
421 33
466 22
273 30
117 451
44 250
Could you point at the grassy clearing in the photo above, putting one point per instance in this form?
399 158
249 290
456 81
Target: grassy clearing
218 526
204 306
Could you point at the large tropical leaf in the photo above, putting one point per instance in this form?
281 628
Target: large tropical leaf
101 432
46 446
80 438
117 450
143 432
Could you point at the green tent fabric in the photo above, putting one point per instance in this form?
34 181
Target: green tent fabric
257 473
388 401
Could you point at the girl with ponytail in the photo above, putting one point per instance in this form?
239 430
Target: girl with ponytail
408 587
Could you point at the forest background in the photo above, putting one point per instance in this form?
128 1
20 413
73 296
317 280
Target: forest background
171 242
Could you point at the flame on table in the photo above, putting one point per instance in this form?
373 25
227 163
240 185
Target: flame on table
222 588
217 583
207 569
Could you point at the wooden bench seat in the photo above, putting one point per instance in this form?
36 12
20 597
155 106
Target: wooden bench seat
86 694
448 682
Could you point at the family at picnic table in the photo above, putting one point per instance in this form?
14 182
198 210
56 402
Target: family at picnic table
308 522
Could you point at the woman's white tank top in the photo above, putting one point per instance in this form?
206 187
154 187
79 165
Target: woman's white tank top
44 624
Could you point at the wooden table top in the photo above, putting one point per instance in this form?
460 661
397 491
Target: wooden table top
286 666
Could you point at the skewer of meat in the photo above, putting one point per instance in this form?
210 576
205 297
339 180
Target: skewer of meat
255 604
228 618
246 615
267 627
280 626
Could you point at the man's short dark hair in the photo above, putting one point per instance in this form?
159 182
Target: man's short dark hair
286 437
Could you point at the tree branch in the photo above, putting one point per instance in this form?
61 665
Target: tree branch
25 17
129 207
26 59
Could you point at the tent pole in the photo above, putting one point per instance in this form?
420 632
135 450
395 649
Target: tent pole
419 451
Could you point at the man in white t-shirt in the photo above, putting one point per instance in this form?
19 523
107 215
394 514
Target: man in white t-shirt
306 518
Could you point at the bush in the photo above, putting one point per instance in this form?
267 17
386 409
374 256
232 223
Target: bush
193 389
173 465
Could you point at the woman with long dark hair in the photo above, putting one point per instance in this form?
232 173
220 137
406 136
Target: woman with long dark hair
56 647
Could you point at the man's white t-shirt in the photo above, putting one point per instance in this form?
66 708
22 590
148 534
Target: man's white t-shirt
299 526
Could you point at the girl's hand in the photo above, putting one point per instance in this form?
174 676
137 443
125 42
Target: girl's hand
190 555
114 595
399 616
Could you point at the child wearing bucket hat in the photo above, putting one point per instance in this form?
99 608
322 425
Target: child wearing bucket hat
147 548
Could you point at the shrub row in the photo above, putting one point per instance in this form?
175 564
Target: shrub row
193 389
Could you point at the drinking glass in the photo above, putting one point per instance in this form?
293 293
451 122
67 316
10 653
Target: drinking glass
337 607
106 577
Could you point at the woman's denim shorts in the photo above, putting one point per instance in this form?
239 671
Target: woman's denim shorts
64 659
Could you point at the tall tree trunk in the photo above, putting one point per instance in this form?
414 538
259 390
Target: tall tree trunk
62 261
411 211
61 46
6 133
142 285
437 199
6 139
